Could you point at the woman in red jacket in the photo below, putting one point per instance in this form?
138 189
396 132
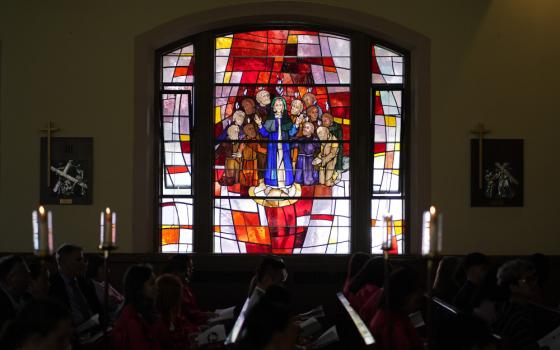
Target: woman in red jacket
391 327
367 281
356 262
172 330
135 327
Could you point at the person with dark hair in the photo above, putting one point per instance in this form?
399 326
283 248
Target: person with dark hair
39 275
71 287
270 324
514 320
270 272
391 327
182 266
445 285
14 281
474 266
41 324
95 273
172 330
135 327
355 263
367 282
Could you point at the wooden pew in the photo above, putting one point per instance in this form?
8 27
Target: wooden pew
359 337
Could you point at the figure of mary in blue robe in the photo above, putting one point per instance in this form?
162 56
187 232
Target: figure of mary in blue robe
277 128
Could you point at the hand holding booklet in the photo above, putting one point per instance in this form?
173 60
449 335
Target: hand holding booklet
309 327
551 340
223 315
317 312
213 334
329 337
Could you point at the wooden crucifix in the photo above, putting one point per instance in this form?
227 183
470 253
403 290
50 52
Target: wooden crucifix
50 129
480 131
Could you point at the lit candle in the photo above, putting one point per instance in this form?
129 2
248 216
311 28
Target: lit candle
431 232
387 232
108 229
42 232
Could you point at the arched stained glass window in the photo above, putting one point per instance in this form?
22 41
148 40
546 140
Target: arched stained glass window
282 142
281 103
176 122
388 185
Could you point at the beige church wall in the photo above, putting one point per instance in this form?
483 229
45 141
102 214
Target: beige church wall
73 63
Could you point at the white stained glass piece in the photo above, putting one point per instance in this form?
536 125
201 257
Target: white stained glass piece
308 39
377 78
381 51
185 236
343 75
169 215
308 50
318 74
184 61
391 79
221 63
342 62
168 74
339 47
385 65
228 246
325 49
170 60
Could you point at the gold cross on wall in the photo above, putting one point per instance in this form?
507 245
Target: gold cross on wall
480 131
50 129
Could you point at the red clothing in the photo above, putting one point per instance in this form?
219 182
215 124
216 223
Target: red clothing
359 299
189 308
368 310
133 332
172 336
394 331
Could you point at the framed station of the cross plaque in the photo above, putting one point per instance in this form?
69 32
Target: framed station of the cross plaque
68 177
499 183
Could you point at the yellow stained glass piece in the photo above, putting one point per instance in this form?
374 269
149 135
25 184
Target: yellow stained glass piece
397 146
292 39
396 172
217 115
390 121
227 77
185 137
223 43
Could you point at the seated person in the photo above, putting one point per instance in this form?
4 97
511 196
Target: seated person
14 281
95 273
135 326
70 287
474 265
41 324
356 262
270 272
391 327
366 282
514 320
39 284
172 330
271 324
182 266
445 284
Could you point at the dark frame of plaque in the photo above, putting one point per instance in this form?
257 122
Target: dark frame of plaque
502 173
71 171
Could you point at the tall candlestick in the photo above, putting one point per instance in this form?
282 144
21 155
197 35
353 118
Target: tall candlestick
387 243
108 229
431 232
41 221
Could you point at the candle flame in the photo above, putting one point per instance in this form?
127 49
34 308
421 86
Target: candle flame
108 210
432 210
41 210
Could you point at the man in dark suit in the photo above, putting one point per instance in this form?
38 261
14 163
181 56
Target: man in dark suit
14 281
70 287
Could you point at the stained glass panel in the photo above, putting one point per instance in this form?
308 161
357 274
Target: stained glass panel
282 132
387 124
178 66
176 122
387 66
380 208
176 225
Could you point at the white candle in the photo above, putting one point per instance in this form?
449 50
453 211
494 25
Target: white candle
431 232
108 229
42 232
387 232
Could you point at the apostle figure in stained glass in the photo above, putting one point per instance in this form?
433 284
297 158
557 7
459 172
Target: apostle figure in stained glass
248 105
232 157
310 100
326 159
278 127
307 147
250 154
336 130
313 116
263 106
